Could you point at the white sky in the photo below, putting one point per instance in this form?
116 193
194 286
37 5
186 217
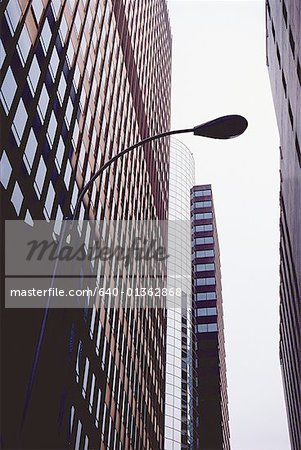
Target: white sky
219 68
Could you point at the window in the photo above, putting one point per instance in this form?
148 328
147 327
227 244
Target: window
201 312
86 445
49 200
2 54
62 88
207 204
28 219
204 253
19 121
17 198
68 173
43 103
30 150
59 153
206 327
40 177
204 193
24 45
13 14
70 53
85 380
92 393
72 413
203 240
51 128
200 216
34 75
8 90
204 267
54 62
37 7
205 296
78 435
208 227
204 281
78 361
63 29
5 170
97 409
45 36
69 111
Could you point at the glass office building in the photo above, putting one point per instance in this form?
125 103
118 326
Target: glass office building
178 403
211 417
80 80
283 22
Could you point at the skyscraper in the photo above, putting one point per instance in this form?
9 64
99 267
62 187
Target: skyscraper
283 21
211 402
80 80
178 404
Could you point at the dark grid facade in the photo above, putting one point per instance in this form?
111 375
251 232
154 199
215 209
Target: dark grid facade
211 415
79 81
283 20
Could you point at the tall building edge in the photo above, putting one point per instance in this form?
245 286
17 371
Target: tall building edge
211 415
283 24
80 80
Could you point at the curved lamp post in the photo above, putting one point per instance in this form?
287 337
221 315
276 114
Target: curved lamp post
225 127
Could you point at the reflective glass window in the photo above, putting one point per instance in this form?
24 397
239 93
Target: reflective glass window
34 75
13 15
78 435
52 128
54 62
68 173
40 177
2 54
63 29
85 380
43 103
37 7
59 153
62 88
17 198
24 45
46 36
19 121
5 170
30 150
8 90
49 200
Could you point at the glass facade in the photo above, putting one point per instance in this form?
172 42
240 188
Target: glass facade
211 417
178 344
283 23
81 80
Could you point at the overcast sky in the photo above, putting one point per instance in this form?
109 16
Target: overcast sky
219 68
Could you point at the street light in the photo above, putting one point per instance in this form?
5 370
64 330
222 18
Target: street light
225 127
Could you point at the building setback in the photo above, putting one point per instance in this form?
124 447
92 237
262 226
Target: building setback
283 22
211 417
80 80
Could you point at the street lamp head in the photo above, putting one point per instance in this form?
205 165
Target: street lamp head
225 127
